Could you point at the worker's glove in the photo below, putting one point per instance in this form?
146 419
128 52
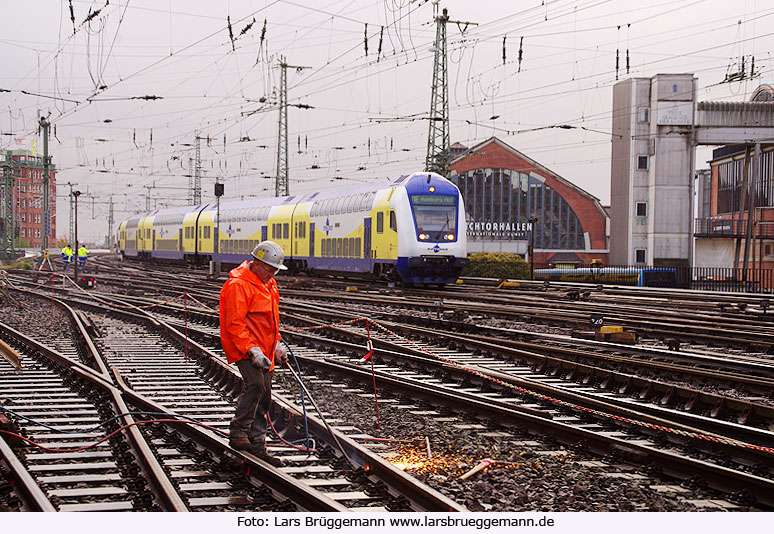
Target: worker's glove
280 355
258 358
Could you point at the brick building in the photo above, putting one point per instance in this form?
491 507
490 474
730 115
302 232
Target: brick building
512 200
740 181
28 192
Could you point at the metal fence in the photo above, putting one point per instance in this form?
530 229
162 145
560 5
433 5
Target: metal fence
725 279
730 228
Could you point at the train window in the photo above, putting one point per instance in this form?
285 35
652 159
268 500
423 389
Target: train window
345 247
351 203
357 247
324 248
352 247
339 248
379 222
199 233
295 230
222 246
393 221
286 230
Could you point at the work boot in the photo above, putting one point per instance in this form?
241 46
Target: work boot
264 455
240 443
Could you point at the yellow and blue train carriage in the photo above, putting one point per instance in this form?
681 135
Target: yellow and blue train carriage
410 228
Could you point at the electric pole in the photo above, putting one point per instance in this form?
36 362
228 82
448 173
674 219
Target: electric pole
75 195
197 177
282 183
71 235
110 225
45 125
438 144
8 229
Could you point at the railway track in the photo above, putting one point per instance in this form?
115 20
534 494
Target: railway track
156 377
549 404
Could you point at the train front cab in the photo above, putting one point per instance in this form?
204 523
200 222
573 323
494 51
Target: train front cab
434 239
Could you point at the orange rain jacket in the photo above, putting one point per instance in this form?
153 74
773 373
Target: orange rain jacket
249 314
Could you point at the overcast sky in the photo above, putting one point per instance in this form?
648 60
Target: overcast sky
368 110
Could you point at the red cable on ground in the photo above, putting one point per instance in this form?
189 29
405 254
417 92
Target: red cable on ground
553 400
121 429
299 447
373 372
185 307
51 279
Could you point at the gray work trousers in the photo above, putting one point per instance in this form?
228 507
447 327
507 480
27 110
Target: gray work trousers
252 405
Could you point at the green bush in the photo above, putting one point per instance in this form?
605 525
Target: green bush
16 265
496 265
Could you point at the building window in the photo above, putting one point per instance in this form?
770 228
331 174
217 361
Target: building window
641 209
643 114
640 255
643 163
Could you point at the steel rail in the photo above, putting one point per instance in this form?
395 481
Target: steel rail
717 476
223 374
34 498
156 476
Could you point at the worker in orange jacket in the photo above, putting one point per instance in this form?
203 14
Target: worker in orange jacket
249 333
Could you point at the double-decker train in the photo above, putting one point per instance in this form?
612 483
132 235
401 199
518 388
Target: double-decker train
411 228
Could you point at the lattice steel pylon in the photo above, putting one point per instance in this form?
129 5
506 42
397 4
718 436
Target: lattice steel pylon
282 182
197 177
7 232
438 145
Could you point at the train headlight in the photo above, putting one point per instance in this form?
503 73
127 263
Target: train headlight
431 189
424 237
450 237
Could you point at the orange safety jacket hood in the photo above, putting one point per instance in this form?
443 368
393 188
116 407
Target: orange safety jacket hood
249 314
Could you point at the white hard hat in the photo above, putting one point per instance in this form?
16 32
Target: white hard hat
269 253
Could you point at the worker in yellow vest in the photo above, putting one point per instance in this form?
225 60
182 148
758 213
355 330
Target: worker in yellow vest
83 256
67 257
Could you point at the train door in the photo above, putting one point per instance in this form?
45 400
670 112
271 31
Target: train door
180 240
311 240
367 243
153 243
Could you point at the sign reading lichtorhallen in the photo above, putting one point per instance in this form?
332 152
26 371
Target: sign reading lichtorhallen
498 230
